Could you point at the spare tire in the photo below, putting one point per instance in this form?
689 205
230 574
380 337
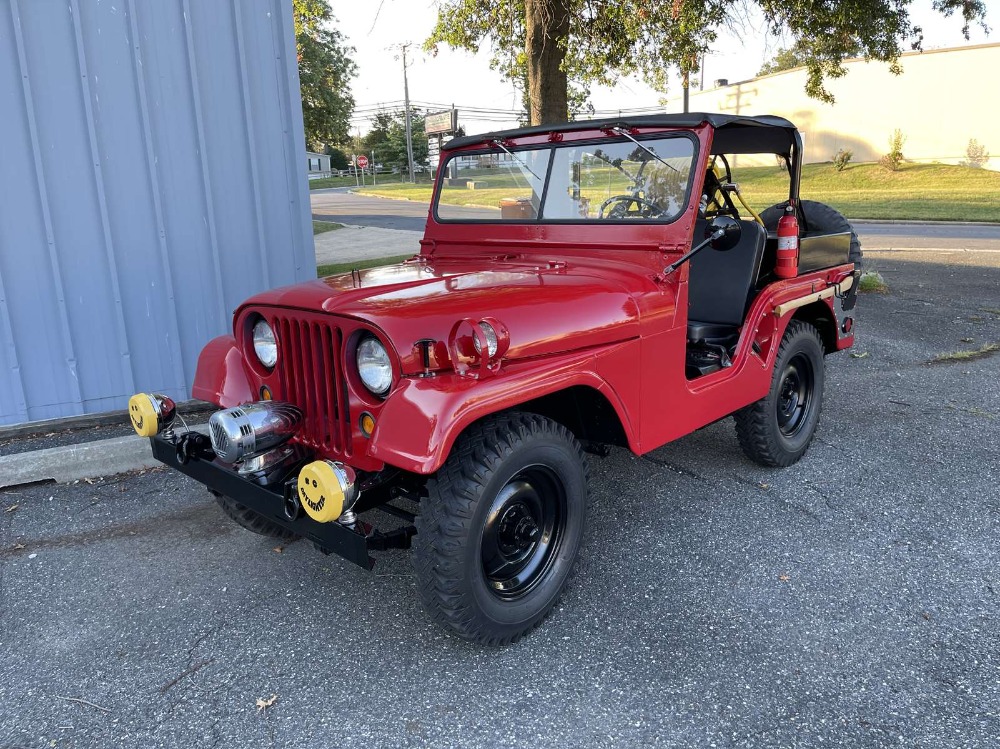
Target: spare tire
820 218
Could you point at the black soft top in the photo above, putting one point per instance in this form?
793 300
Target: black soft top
734 133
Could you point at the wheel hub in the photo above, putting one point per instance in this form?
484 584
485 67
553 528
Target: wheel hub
517 530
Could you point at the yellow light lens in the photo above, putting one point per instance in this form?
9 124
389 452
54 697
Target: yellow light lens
265 393
367 424
320 492
142 414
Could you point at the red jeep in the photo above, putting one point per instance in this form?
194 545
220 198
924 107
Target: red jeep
615 290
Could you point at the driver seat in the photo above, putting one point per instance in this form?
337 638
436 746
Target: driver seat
721 286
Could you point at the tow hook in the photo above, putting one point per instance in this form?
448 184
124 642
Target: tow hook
192 445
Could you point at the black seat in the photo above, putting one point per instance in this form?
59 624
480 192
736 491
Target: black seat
722 284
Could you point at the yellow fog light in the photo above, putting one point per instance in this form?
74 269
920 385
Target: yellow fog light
367 424
326 490
150 413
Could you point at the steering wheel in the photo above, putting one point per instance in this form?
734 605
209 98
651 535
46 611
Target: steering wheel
620 210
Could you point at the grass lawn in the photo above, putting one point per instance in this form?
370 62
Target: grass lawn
333 269
389 179
920 192
316 184
323 226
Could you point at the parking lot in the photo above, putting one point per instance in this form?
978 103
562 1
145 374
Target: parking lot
851 600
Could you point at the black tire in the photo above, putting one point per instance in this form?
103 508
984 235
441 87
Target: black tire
777 429
499 530
252 520
819 218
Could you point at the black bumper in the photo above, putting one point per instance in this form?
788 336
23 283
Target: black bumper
351 543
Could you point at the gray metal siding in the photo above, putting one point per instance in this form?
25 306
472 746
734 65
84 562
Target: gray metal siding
152 176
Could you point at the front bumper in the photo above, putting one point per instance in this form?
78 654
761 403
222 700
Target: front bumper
350 542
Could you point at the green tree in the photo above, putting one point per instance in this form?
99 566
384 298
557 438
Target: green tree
387 138
325 73
338 159
785 59
563 42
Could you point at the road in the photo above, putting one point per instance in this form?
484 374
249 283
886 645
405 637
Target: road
851 600
338 204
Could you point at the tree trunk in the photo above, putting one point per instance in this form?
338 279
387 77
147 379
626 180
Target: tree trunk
547 25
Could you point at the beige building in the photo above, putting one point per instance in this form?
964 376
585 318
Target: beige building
942 99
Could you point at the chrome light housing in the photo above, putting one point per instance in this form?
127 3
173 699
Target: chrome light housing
374 366
327 491
151 413
264 343
250 430
491 340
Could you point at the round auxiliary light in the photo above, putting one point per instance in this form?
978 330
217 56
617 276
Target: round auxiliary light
374 366
150 413
264 343
491 340
326 490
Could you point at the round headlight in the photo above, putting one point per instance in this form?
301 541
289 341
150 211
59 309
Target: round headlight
491 340
374 366
264 344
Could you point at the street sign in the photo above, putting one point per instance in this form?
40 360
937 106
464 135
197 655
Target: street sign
362 161
441 122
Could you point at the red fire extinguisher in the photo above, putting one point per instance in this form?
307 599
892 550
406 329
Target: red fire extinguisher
787 265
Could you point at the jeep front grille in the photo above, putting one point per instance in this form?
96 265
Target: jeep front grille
308 357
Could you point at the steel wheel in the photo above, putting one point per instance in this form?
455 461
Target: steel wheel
793 395
777 429
523 531
499 530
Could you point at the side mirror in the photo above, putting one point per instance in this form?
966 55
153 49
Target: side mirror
723 233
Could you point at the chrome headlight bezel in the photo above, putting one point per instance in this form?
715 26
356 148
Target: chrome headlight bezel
265 344
374 366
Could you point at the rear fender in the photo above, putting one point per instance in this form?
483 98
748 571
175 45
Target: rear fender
813 298
220 377
422 418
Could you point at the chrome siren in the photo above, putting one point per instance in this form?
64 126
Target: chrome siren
252 429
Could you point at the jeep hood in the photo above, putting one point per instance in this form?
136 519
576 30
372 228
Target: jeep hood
548 307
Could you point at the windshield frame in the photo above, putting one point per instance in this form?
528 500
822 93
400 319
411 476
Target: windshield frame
553 146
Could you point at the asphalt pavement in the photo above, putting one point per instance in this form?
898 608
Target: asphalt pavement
851 600
341 205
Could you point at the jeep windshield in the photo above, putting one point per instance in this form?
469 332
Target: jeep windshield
609 180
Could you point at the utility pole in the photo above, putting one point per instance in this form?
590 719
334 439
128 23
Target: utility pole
406 104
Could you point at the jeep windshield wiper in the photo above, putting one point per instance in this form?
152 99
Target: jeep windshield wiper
514 156
624 131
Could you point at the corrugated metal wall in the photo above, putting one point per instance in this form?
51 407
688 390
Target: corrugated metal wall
152 176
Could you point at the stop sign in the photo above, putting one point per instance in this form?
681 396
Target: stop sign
362 161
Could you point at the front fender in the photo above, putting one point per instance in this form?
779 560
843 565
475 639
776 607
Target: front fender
220 377
421 420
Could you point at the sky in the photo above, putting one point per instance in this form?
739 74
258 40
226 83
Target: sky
376 28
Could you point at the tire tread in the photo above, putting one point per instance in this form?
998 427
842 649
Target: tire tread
251 520
753 423
446 516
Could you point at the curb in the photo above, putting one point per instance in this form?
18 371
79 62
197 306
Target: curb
84 461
